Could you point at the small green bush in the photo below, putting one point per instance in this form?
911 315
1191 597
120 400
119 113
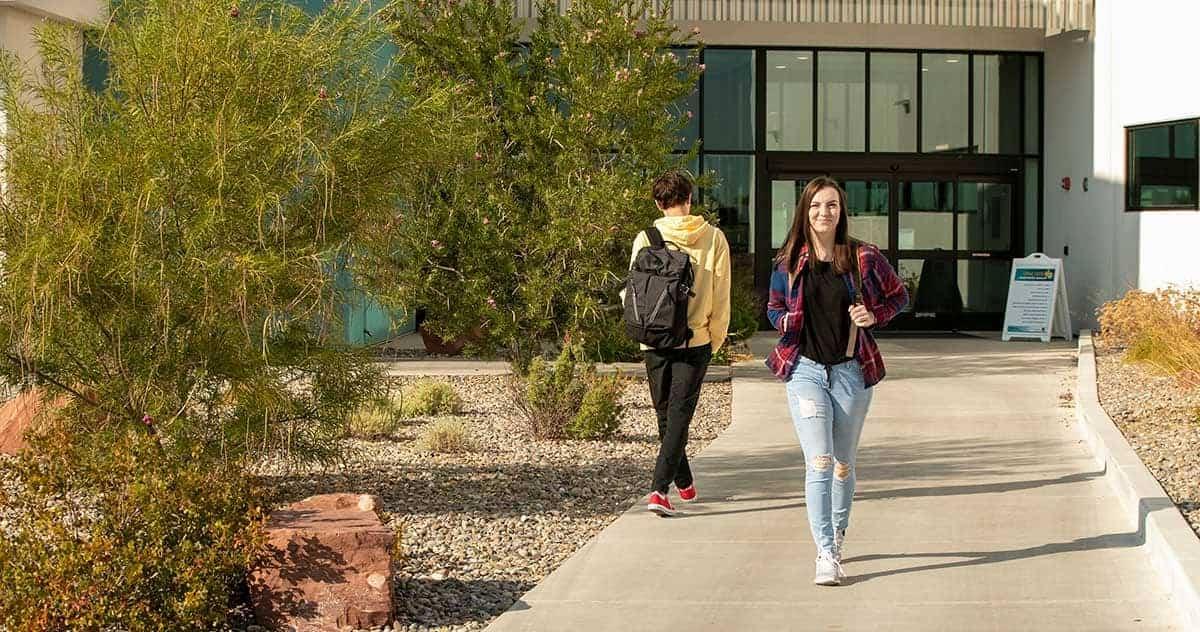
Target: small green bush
429 398
547 395
564 400
379 417
599 413
609 342
112 535
447 435
746 307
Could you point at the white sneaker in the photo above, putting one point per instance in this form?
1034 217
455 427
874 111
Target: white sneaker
829 570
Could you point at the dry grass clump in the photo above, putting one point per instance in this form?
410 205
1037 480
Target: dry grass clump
1159 328
375 419
446 435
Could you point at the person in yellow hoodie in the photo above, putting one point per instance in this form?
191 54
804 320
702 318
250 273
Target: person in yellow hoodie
676 374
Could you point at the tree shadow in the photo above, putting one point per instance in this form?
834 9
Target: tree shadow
487 490
1131 539
303 562
454 602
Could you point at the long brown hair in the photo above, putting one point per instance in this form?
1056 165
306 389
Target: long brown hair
800 235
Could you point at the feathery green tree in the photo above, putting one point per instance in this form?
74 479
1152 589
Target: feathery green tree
170 241
582 114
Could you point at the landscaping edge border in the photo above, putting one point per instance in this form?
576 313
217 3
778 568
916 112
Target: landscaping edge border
1173 547
440 367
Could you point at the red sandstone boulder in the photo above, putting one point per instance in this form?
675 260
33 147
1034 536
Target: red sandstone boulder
328 566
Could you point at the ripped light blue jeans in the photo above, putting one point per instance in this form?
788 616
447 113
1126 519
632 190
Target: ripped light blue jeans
829 405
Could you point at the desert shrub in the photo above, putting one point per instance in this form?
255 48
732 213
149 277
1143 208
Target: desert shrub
429 398
599 413
549 398
446 435
547 395
377 417
178 251
111 535
1159 328
609 342
746 306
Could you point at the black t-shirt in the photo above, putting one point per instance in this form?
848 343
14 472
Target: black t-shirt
826 314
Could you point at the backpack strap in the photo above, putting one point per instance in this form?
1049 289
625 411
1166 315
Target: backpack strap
858 278
857 298
655 237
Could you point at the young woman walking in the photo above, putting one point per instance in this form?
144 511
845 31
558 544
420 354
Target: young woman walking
828 292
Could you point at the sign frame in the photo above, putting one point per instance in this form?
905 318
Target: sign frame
1030 311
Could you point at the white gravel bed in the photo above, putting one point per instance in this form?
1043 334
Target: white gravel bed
479 529
1159 419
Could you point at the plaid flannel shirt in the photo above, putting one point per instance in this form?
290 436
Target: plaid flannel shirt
883 294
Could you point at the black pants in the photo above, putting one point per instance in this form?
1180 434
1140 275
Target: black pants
675 378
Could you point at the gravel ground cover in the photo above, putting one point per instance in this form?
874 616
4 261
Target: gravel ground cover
481 528
1159 420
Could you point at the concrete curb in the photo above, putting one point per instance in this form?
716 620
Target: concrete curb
409 368
1173 546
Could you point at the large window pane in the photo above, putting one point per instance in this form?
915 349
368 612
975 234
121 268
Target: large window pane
944 102
983 284
1161 167
1033 189
841 101
985 212
893 102
95 63
784 194
687 108
867 210
790 100
732 198
998 104
728 100
926 216
1033 87
933 286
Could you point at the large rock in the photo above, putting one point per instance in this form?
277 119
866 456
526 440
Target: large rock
328 566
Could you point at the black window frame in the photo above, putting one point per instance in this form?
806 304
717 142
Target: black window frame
1129 184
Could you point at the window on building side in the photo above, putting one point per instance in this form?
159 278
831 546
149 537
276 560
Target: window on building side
1161 169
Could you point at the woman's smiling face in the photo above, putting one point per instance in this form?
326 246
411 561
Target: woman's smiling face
824 212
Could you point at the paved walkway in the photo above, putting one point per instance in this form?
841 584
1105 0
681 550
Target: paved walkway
977 509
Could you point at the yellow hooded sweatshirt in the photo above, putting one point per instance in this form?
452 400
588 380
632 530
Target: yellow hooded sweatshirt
708 310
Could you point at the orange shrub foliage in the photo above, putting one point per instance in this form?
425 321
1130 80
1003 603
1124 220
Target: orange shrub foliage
1160 328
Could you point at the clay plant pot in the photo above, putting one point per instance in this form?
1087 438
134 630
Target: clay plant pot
434 344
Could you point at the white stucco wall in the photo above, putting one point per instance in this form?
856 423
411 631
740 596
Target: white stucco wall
1134 68
20 18
1153 55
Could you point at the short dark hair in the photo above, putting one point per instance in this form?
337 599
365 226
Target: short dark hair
672 189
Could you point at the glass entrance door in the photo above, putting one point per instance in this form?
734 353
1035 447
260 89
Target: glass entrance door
951 238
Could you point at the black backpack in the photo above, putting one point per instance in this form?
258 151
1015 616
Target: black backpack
657 293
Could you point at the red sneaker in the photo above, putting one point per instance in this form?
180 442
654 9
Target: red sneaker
688 494
660 505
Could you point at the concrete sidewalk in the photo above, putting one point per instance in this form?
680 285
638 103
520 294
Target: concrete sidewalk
977 509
